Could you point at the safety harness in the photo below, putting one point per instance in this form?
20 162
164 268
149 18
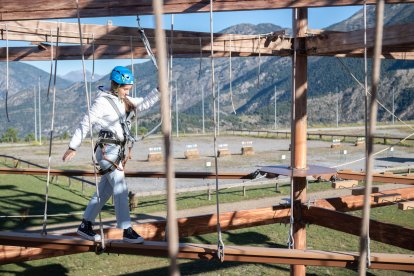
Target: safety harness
107 137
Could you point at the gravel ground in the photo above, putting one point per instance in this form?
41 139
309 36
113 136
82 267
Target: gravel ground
267 152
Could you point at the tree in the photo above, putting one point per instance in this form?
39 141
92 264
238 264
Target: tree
29 137
10 135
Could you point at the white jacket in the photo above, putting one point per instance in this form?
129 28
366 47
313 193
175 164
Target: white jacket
104 116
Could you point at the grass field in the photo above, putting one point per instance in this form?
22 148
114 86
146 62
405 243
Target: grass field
25 195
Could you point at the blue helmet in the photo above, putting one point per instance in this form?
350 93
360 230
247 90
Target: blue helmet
122 75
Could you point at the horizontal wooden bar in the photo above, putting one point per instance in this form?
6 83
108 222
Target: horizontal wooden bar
351 203
208 252
143 174
43 9
377 177
378 231
337 43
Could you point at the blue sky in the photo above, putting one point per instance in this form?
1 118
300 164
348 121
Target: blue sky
318 18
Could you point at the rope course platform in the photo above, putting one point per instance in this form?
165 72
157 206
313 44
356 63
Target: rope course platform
209 252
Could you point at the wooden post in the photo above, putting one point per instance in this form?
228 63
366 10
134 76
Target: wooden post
299 69
244 190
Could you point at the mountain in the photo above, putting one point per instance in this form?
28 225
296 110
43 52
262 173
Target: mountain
77 76
252 89
394 14
23 76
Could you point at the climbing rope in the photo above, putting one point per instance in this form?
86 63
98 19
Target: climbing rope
220 244
376 69
230 75
7 71
44 232
89 119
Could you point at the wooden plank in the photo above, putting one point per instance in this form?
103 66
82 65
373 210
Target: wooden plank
381 198
408 205
396 35
397 179
351 203
15 254
379 231
361 190
143 174
43 9
340 184
208 252
299 129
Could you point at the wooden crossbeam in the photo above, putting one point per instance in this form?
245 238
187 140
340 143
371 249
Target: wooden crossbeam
208 252
342 43
42 9
143 174
351 203
379 231
377 177
198 225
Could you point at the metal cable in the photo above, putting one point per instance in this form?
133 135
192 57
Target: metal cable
146 43
376 68
154 61
7 72
230 75
166 130
363 87
90 124
220 244
44 231
201 58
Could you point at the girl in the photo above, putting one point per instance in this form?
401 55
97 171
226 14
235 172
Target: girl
112 113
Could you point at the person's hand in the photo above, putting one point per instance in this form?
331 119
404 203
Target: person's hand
69 154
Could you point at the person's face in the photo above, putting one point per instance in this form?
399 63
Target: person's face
123 91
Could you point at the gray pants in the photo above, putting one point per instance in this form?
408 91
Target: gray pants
111 183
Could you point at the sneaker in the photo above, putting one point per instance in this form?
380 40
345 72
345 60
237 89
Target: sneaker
131 236
85 231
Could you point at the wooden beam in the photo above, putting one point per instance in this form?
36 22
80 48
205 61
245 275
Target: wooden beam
352 203
17 254
208 252
197 225
377 177
41 31
299 130
343 43
143 174
155 231
44 9
379 231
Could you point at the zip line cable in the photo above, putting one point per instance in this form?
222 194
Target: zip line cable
220 244
89 119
